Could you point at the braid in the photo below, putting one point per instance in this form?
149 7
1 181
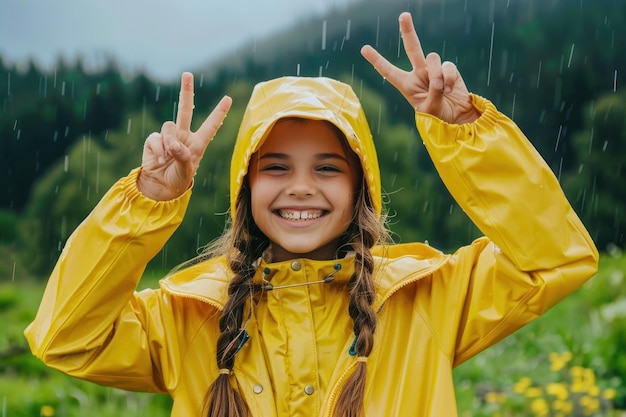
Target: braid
222 400
367 230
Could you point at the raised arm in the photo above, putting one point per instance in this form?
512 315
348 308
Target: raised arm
91 324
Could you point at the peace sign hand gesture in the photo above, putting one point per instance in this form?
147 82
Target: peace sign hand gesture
170 158
430 87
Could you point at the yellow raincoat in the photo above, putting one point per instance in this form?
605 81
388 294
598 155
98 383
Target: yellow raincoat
435 310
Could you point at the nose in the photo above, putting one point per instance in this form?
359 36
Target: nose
301 184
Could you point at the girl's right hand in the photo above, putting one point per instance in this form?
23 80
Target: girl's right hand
171 157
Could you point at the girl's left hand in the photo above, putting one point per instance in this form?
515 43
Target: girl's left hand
431 86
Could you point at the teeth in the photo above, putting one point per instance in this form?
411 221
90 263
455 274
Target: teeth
300 215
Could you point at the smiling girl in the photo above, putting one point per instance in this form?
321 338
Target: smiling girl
304 307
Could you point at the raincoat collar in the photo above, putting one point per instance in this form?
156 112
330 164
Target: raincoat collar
395 266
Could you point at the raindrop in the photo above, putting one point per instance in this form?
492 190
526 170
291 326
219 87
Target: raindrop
298 70
380 112
45 86
539 73
606 143
12 280
591 140
63 88
9 84
558 138
158 92
128 126
98 89
615 81
56 135
98 172
201 80
377 30
15 125
399 45
513 109
571 54
493 29
324 24
348 29
425 206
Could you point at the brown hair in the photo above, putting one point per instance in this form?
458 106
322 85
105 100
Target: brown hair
243 244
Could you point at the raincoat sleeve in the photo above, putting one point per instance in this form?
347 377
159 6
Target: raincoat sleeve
91 323
536 250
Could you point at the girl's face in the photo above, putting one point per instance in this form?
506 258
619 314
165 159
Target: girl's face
302 184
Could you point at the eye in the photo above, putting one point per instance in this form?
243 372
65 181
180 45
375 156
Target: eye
328 168
274 169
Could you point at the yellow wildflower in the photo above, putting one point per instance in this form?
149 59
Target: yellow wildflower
539 407
46 411
521 385
533 392
495 397
609 394
558 390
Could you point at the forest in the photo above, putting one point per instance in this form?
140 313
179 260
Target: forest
556 67
552 66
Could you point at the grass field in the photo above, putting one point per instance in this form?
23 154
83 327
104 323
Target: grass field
567 363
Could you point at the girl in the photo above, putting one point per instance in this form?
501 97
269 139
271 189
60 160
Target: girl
303 308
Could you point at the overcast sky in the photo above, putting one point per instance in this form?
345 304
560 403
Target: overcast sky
161 37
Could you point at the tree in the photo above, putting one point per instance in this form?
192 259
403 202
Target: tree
597 188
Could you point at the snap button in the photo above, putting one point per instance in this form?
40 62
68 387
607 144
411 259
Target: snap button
296 266
308 390
258 388
496 249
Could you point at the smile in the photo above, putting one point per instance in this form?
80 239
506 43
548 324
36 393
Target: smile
300 215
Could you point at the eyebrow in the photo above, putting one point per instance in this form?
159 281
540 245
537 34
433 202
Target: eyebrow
320 156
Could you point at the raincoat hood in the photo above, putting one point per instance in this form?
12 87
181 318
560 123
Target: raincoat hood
309 98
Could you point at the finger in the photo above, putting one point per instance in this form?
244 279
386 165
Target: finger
412 45
450 76
185 102
382 65
212 123
154 146
180 152
435 81
168 132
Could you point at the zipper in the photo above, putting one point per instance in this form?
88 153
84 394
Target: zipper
417 277
205 300
334 392
413 279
